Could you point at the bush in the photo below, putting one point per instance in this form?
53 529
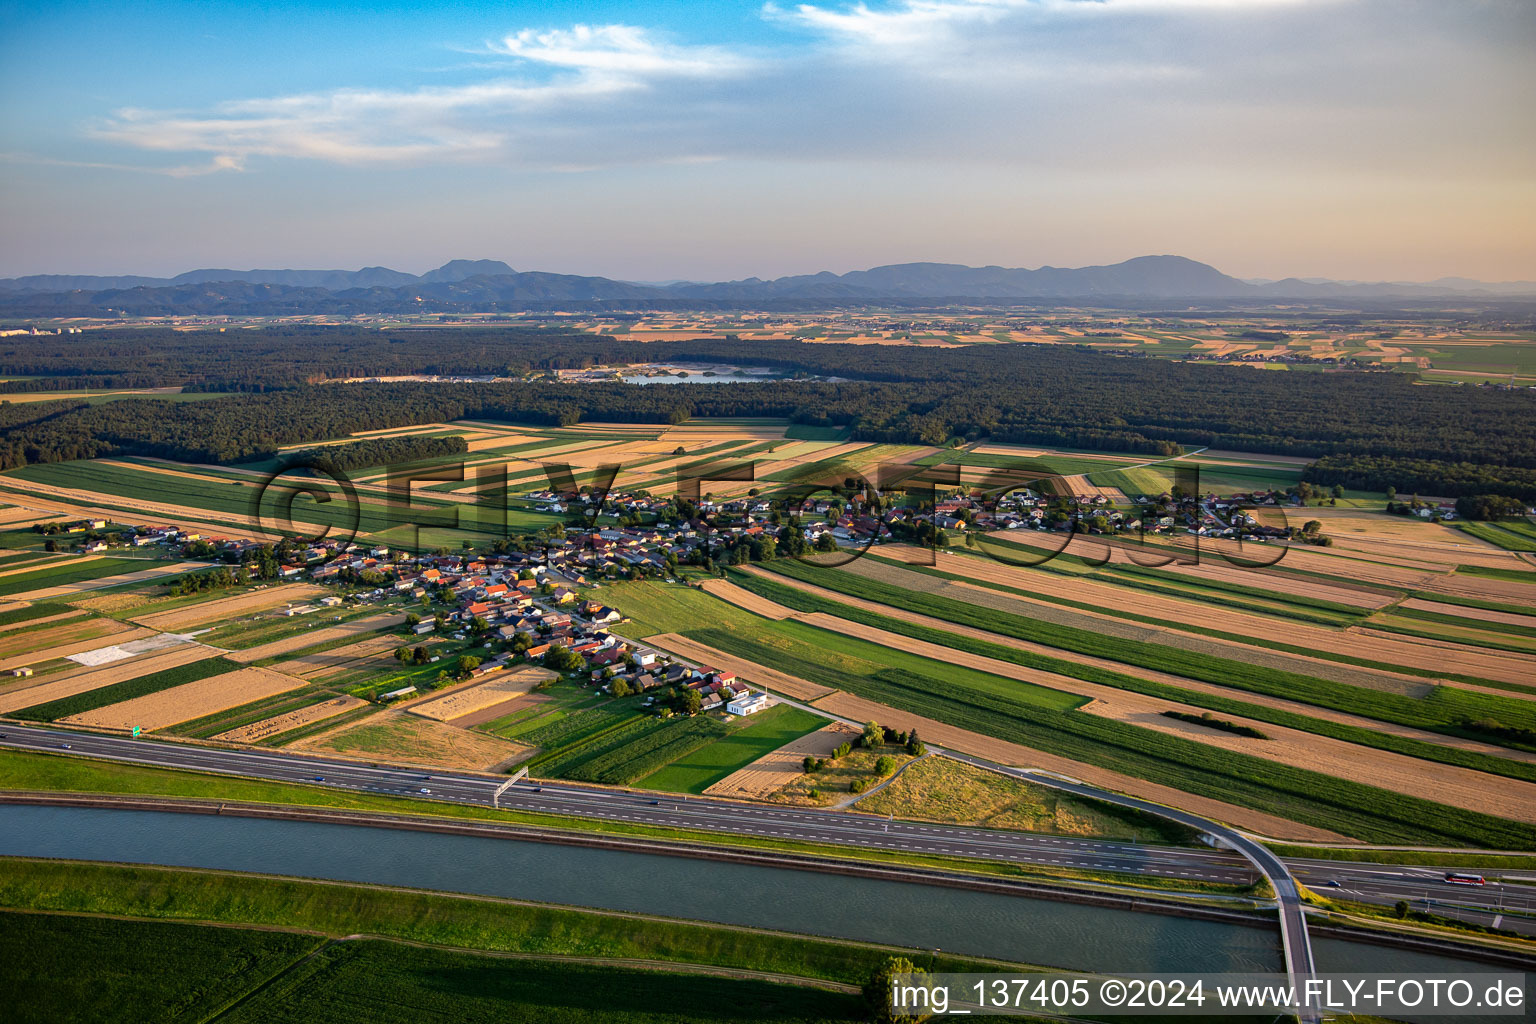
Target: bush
885 765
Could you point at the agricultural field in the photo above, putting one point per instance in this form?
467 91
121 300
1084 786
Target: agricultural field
231 500
748 740
403 738
75 967
930 668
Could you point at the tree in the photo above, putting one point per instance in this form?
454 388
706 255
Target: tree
1338 490
412 619
1400 908
467 664
878 990
50 545
561 658
692 702
619 688
402 654
885 765
420 656
915 746
826 542
810 764
874 735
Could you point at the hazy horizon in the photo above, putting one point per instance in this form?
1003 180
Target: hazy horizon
1370 140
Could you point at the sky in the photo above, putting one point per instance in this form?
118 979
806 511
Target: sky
1353 139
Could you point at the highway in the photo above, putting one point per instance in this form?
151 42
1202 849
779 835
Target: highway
1508 906
696 813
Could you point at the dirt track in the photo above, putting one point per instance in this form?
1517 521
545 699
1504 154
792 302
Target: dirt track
189 700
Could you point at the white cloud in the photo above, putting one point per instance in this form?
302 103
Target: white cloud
585 68
1023 84
616 49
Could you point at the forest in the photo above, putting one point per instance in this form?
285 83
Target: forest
1030 394
1424 476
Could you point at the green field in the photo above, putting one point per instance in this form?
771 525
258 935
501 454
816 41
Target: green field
1440 703
126 690
1511 536
229 495
764 732
1346 807
56 968
63 968
68 571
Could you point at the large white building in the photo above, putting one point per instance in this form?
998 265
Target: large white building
748 703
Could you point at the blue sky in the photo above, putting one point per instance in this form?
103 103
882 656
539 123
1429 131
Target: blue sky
1373 139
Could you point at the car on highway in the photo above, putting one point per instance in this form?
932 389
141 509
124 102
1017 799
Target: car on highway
654 803
64 746
424 789
1334 883
319 778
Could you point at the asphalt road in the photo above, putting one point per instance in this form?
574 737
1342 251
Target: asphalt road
697 813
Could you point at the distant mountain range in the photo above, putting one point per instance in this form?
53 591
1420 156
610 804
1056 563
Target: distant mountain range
462 285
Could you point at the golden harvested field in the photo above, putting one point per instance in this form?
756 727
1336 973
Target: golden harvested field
57 640
344 659
23 515
496 689
858 709
1160 677
122 633
278 724
779 682
189 700
1080 485
75 503
397 737
80 680
1354 642
313 637
209 613
728 591
697 435
1474 614
779 767
1429 780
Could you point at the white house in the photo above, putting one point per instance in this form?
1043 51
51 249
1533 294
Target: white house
748 703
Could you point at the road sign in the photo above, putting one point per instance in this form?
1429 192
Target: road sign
136 730
496 796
